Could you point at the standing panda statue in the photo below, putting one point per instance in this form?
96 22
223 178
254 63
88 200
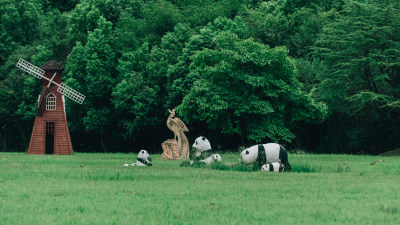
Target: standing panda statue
265 154
201 152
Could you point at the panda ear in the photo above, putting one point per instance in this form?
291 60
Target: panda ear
247 152
204 138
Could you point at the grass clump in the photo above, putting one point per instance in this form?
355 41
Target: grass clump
234 167
223 166
340 169
306 169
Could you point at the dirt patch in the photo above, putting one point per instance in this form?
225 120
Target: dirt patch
395 152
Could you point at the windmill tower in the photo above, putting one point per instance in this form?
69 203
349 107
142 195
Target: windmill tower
50 133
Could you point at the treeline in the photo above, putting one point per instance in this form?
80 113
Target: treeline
322 76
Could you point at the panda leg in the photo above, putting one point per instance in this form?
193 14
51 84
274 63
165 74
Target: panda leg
284 158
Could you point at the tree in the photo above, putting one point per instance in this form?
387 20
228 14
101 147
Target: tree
128 30
54 34
160 17
11 22
180 79
18 97
97 60
272 23
81 21
360 83
74 76
144 85
133 98
268 23
245 88
200 13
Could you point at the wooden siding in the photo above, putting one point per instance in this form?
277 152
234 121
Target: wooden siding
62 139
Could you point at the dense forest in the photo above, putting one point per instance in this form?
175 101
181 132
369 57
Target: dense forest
322 76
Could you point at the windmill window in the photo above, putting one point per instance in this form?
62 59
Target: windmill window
51 102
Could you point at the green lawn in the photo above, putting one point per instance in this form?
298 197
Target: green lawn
97 189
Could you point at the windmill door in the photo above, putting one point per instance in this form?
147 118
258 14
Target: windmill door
49 138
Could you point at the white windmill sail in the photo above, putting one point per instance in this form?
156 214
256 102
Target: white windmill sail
62 88
30 68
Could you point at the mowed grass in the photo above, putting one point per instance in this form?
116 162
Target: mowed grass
97 189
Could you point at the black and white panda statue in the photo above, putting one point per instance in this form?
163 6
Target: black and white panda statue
201 149
202 152
212 159
143 159
273 167
264 154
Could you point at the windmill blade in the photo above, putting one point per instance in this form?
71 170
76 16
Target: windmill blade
62 88
30 68
42 105
71 93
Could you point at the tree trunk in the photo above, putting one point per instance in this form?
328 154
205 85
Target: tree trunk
243 133
21 132
3 142
103 146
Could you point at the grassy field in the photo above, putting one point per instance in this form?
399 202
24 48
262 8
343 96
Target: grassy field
97 189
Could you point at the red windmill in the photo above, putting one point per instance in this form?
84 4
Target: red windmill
50 133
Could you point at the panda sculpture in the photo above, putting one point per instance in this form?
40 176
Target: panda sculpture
265 154
273 167
201 149
201 152
212 159
143 159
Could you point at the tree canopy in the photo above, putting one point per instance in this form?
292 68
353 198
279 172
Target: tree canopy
317 75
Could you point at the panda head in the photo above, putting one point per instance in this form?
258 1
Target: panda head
265 167
216 158
144 155
249 155
201 144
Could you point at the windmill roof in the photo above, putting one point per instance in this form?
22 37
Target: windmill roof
52 66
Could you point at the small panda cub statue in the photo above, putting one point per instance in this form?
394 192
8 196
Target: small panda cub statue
273 167
265 154
143 159
212 159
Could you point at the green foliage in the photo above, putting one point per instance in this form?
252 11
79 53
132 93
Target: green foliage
60 5
91 70
18 98
243 84
272 23
241 70
200 13
77 27
160 17
268 23
134 99
360 81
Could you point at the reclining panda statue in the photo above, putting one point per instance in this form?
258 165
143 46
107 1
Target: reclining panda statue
212 159
143 159
201 152
265 154
273 167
